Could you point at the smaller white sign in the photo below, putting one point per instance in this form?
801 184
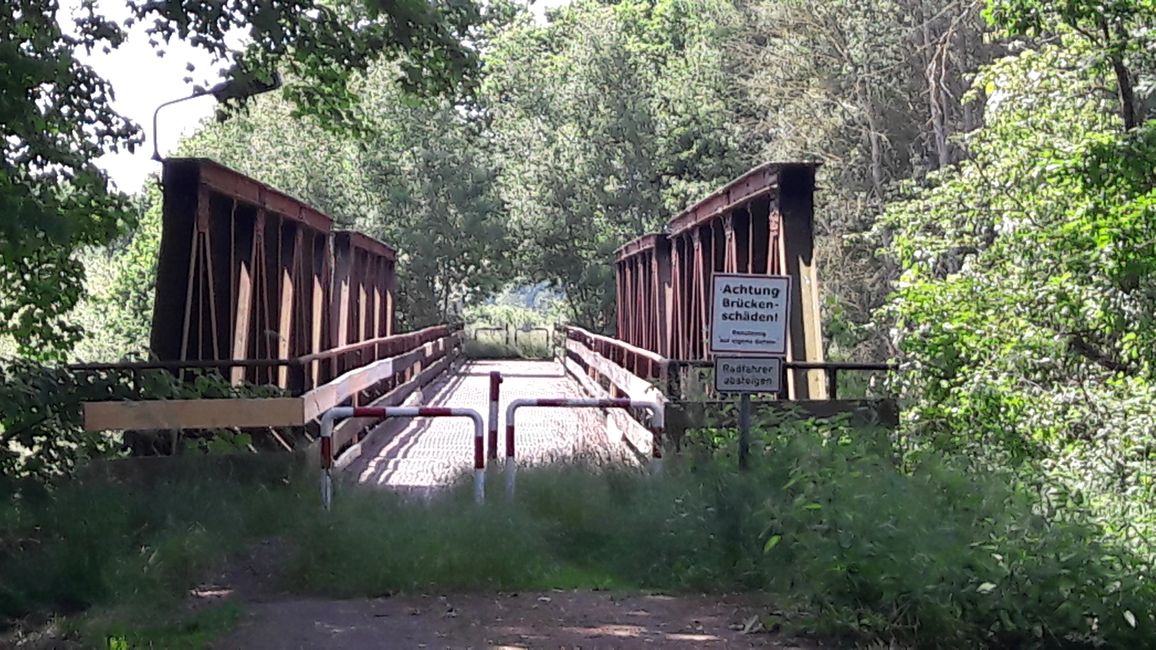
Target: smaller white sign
749 314
748 374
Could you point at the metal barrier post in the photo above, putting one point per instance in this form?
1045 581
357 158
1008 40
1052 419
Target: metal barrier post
657 428
495 390
342 412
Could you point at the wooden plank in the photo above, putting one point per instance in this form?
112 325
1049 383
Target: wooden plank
194 414
259 412
325 397
345 432
648 354
618 421
243 298
290 248
579 373
664 299
317 328
632 385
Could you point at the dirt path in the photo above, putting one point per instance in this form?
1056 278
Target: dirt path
580 619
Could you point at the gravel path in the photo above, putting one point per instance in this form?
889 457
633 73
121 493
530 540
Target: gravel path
578 619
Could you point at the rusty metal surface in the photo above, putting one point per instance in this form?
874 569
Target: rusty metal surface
362 304
246 273
762 223
423 454
759 180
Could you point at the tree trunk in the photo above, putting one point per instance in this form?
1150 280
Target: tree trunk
936 64
1123 77
876 147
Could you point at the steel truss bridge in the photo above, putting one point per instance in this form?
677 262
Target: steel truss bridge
255 287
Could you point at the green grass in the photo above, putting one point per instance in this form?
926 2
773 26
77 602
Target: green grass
534 346
137 628
847 544
124 553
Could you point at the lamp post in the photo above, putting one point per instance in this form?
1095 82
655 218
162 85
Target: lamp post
226 90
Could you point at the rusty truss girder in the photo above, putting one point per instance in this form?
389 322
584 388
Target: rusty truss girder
762 222
246 272
362 307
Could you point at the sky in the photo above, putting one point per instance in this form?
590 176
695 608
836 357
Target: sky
141 81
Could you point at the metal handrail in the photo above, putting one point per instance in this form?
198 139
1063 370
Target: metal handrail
218 364
296 365
648 354
420 335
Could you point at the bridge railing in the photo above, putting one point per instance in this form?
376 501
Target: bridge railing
302 373
609 366
621 369
378 371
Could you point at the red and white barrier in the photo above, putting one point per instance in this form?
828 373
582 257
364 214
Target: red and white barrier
657 427
342 412
495 395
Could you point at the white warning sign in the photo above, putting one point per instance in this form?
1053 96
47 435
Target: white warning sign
748 374
749 314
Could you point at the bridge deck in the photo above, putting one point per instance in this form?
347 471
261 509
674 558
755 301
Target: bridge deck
425 453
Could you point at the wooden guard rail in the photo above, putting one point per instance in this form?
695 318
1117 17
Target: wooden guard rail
619 368
385 369
604 365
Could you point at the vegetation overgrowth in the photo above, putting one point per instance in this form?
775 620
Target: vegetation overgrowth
505 329
845 543
984 218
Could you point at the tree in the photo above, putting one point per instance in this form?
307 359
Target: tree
55 121
1026 305
872 90
421 180
609 119
1118 33
57 117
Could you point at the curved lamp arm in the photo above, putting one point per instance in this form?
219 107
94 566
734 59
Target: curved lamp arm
231 89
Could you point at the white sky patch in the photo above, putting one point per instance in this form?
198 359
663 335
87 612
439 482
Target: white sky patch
142 81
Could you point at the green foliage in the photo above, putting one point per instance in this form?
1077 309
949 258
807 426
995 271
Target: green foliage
59 119
1118 34
323 45
55 121
130 553
511 325
116 313
940 556
143 627
489 345
608 119
42 438
873 91
560 159
421 181
1025 307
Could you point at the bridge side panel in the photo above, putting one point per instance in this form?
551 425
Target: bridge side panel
363 304
760 223
242 269
644 288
